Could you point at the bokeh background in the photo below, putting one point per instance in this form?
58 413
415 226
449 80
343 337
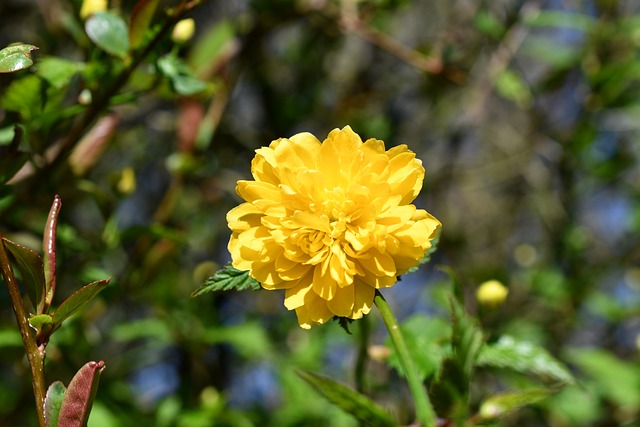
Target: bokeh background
526 115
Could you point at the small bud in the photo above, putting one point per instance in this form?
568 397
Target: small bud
183 31
127 182
89 7
491 293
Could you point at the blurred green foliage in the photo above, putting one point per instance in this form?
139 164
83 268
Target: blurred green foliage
526 117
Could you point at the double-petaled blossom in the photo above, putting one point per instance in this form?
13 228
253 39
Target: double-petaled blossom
330 222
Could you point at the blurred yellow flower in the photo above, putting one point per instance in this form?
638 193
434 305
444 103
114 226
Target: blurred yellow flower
491 293
330 222
183 31
90 7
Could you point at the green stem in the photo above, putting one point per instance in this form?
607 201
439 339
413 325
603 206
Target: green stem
424 411
363 352
35 354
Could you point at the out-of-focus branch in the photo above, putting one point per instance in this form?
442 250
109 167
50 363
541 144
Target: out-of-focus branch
350 21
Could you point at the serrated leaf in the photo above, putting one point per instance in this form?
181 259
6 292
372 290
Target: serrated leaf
428 341
524 357
30 265
450 391
78 399
58 71
16 57
503 404
78 299
182 79
350 401
227 279
109 32
53 403
140 20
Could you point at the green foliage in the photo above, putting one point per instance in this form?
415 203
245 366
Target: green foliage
16 57
29 264
53 403
109 32
524 357
356 404
140 21
226 279
180 75
428 339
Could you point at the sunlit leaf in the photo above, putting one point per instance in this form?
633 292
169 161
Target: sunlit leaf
503 404
10 338
31 269
140 20
78 299
350 401
16 57
109 32
226 279
78 399
524 357
53 402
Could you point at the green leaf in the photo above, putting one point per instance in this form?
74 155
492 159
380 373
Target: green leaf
226 279
16 57
350 401
151 328
53 402
11 158
109 32
24 96
78 299
450 391
140 20
249 339
502 404
614 379
10 338
78 399
428 341
182 79
524 357
29 264
211 47
58 71
513 87
561 19
40 320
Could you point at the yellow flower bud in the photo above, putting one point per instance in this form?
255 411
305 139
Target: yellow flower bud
90 7
491 293
183 31
127 181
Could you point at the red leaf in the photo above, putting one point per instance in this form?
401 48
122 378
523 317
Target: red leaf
78 399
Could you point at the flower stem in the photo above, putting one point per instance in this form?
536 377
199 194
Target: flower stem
424 411
35 354
363 348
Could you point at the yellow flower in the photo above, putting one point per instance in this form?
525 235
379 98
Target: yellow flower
90 7
330 222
